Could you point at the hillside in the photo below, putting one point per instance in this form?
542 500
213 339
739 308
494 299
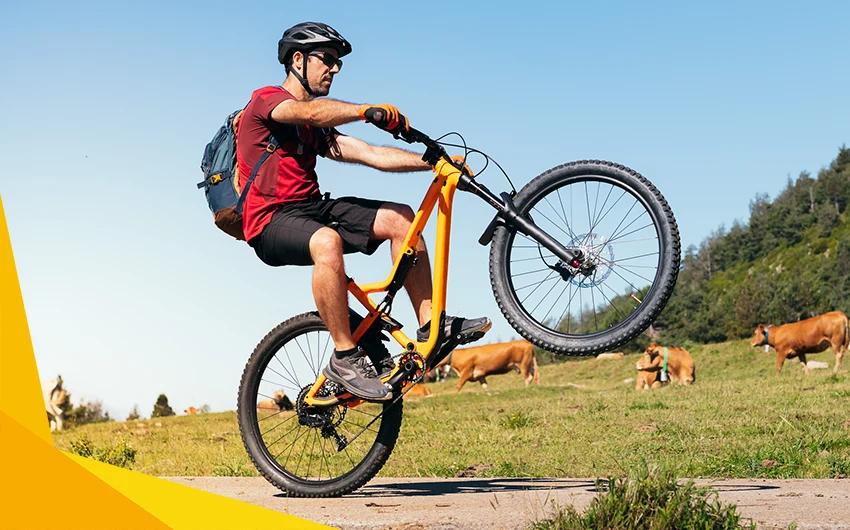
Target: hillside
738 420
790 261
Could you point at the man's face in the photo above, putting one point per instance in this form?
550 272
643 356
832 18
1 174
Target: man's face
319 74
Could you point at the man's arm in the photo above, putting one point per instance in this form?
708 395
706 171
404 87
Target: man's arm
321 112
348 149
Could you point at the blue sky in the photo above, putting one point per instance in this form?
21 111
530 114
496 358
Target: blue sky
129 289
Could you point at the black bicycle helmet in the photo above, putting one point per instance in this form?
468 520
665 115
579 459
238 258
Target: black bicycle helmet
307 36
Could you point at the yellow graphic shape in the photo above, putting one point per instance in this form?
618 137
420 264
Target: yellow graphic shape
47 488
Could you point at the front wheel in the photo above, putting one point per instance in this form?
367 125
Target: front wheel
630 241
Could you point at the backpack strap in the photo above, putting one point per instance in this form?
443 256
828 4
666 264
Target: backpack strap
271 148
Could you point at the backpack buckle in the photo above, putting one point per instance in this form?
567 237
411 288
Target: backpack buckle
271 148
215 179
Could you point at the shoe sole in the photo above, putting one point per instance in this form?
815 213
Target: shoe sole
477 334
355 392
471 336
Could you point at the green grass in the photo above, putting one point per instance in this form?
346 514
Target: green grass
648 498
738 420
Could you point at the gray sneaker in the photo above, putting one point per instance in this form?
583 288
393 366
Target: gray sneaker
356 374
465 330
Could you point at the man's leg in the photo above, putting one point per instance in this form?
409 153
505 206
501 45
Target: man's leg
330 286
348 365
392 222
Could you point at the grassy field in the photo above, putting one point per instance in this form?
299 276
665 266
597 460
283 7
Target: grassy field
737 420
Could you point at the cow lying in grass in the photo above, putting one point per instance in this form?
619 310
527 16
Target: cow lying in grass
475 364
279 402
418 391
680 366
812 335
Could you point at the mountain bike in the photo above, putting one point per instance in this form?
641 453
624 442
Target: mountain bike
582 260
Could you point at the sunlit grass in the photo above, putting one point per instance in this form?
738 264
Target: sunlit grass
737 420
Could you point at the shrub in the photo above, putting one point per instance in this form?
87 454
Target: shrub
651 499
119 454
517 420
134 414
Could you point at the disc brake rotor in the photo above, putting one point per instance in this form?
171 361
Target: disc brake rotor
598 256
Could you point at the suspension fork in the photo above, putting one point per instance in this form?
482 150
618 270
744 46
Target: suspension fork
507 215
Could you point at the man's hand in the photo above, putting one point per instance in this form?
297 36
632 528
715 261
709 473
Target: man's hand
385 117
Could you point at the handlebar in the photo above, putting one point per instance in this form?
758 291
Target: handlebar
434 151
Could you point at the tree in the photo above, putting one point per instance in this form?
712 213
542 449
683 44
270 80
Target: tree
162 408
134 414
89 412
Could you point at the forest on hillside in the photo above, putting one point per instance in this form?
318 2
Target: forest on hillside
789 261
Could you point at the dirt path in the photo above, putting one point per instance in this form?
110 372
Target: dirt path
448 504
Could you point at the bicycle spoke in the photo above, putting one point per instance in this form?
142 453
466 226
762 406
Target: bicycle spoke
537 283
624 218
278 425
309 361
544 298
525 259
281 375
572 233
556 300
531 272
598 220
538 287
610 303
294 378
632 232
623 194
617 235
593 305
551 221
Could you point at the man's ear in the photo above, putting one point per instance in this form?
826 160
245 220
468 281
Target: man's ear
297 60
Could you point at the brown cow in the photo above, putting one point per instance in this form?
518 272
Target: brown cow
647 379
812 335
680 366
475 364
277 403
417 391
191 411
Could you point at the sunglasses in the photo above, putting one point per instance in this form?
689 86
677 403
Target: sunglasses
328 60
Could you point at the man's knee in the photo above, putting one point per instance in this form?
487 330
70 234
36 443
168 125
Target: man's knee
326 246
399 217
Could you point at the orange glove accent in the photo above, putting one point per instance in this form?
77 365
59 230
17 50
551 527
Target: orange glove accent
386 117
459 158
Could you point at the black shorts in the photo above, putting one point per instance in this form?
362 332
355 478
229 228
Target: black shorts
286 239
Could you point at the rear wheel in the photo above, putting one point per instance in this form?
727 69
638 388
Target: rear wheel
308 452
631 247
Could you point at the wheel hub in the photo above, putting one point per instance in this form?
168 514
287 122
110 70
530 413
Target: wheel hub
596 264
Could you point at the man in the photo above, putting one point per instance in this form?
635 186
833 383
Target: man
289 222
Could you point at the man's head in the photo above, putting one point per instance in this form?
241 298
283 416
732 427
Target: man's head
311 52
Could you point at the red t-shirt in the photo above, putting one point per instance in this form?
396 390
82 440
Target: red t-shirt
287 175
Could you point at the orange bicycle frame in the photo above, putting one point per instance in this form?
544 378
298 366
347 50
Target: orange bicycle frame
440 194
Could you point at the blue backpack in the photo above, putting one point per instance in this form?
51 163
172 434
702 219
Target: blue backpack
221 176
